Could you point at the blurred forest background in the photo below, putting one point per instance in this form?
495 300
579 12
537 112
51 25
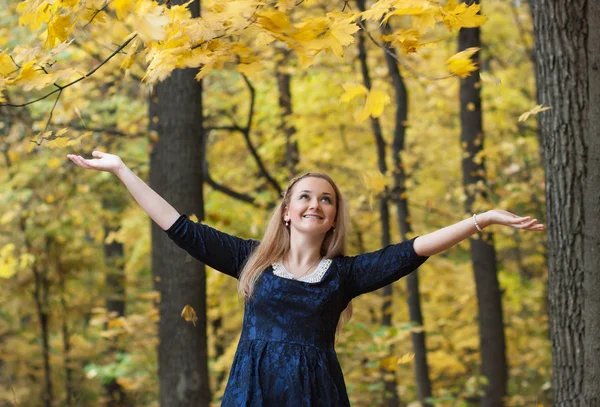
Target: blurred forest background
287 87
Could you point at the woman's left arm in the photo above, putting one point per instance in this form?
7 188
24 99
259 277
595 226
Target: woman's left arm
443 239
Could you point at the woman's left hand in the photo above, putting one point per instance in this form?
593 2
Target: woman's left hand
500 217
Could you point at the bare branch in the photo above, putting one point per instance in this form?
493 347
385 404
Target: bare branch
227 191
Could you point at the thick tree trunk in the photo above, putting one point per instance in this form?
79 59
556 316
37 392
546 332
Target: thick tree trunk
176 173
401 201
391 397
591 227
489 302
561 35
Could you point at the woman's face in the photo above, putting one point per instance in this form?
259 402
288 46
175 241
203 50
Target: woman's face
312 206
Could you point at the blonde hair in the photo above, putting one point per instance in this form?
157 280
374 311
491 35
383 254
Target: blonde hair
276 242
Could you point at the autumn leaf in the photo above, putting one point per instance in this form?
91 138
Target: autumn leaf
8 263
534 111
189 314
7 66
460 64
58 30
352 91
458 15
376 101
407 358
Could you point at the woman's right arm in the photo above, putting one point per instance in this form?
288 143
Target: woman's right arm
159 210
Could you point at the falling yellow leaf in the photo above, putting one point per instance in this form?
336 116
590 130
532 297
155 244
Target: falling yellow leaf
407 358
189 314
534 111
59 142
459 15
250 69
352 91
460 64
376 101
193 218
54 162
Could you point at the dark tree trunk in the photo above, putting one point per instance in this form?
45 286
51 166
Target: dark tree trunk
69 390
391 397
176 173
114 292
401 201
570 146
40 293
591 228
489 301
292 156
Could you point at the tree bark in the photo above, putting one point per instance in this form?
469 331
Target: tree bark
591 227
176 173
561 35
489 301
400 199
390 397
114 293
292 155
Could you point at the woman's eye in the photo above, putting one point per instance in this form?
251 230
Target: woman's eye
327 199
303 196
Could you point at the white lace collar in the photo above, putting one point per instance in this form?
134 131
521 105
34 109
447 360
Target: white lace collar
314 277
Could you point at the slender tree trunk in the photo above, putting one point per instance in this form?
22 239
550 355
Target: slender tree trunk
561 33
489 301
176 173
391 397
41 301
399 196
591 305
292 155
114 293
69 391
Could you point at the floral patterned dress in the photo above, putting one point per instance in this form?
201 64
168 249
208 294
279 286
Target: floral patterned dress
286 356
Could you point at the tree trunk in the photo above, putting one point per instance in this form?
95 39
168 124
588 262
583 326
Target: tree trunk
591 228
401 201
114 293
489 301
292 156
391 397
176 173
40 293
561 35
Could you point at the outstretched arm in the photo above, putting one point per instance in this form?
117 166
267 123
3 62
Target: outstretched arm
159 210
443 239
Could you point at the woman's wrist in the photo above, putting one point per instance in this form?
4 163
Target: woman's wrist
483 219
120 170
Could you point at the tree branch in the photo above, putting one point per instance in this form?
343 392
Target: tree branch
227 191
61 88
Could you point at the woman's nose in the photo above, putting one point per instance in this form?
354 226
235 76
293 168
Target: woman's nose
314 203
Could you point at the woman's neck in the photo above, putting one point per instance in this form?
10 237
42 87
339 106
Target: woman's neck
304 250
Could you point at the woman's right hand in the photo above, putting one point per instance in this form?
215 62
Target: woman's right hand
103 162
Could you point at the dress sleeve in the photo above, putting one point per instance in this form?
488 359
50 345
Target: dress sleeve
223 252
370 271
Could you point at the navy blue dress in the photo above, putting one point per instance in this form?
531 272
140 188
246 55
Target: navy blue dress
286 356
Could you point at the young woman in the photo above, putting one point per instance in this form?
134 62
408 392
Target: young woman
296 281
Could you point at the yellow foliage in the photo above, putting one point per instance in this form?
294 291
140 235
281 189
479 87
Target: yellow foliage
7 66
461 64
58 30
352 91
458 15
376 101
407 358
8 262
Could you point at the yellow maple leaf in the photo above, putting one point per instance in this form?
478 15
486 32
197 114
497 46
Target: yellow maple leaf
34 13
123 7
189 314
150 25
58 30
250 69
376 101
59 142
534 111
375 181
8 263
456 15
7 66
460 64
407 358
352 91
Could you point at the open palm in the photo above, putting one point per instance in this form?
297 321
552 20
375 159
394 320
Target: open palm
501 217
103 161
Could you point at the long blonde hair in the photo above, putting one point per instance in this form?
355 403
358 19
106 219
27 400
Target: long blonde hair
276 242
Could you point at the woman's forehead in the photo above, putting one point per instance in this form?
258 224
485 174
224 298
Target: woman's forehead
314 185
